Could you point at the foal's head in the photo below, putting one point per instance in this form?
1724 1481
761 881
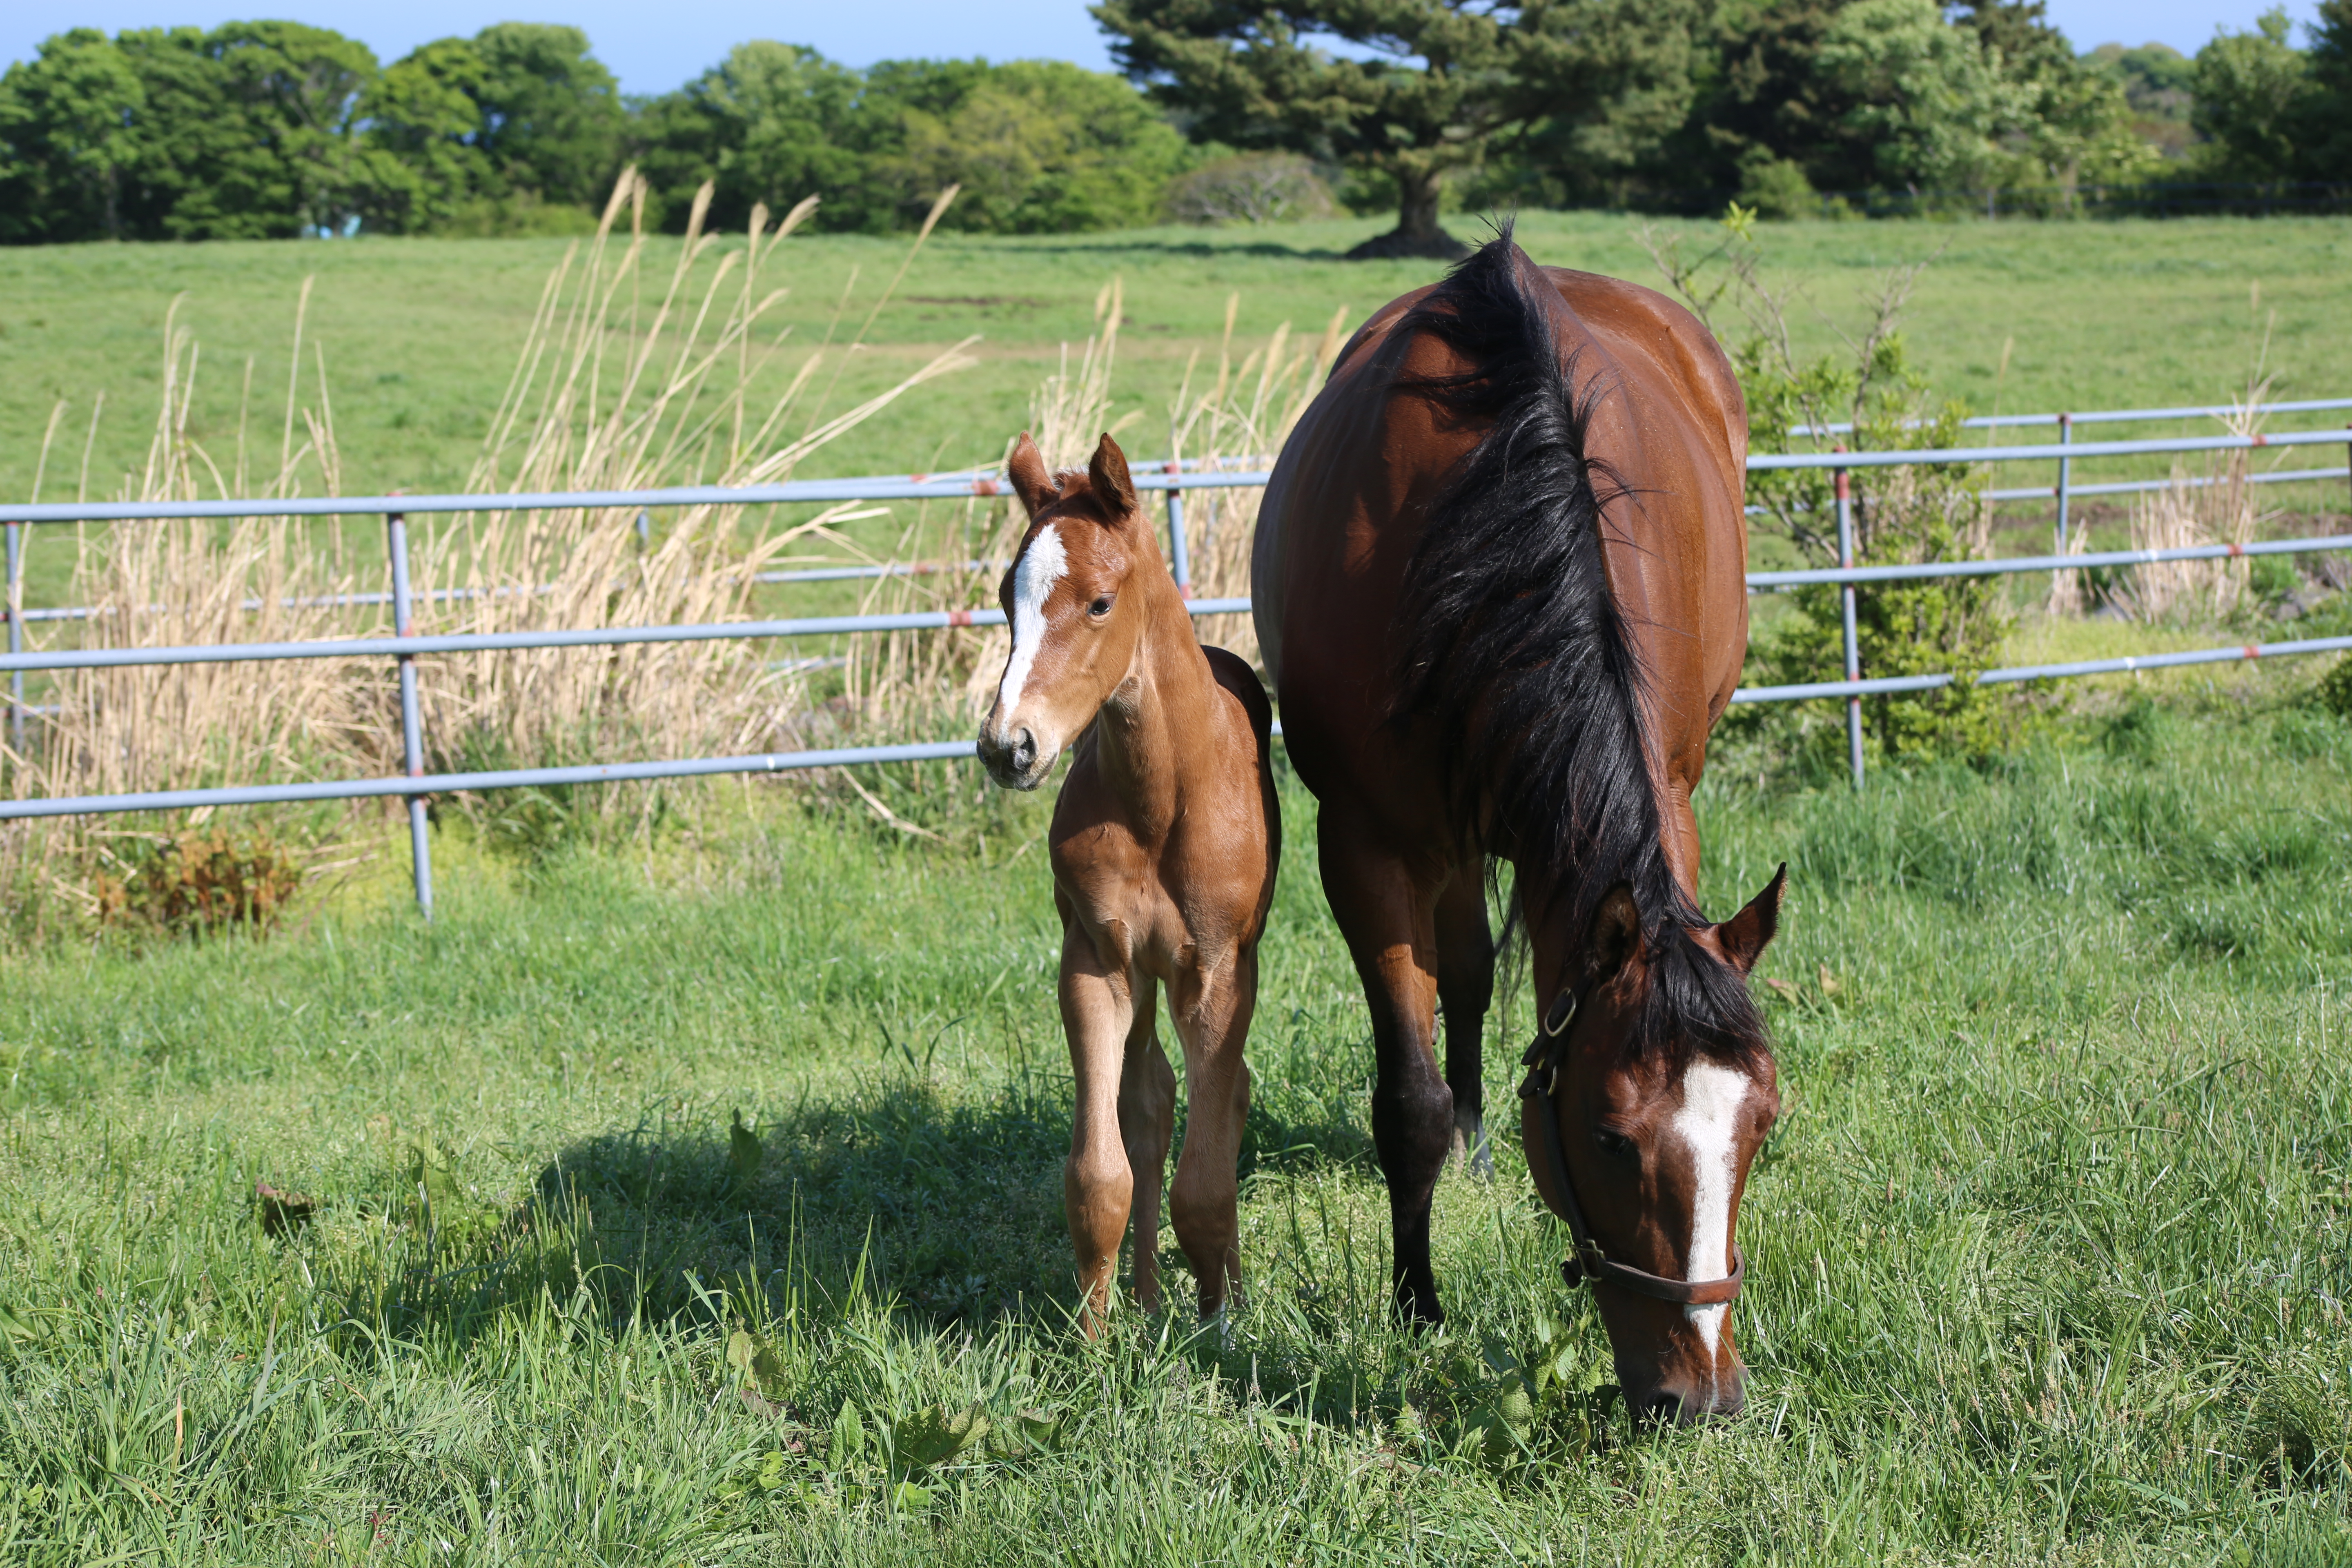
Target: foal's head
1664 1090
1077 598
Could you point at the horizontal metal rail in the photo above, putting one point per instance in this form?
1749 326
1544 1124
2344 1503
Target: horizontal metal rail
798 490
1934 456
2139 487
912 489
933 751
491 642
2017 564
2102 415
507 778
2127 664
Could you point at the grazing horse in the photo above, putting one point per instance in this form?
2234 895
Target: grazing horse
1498 581
1165 841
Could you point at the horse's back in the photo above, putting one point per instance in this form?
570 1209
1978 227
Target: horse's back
1352 493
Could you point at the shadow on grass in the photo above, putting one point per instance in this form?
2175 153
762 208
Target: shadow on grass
944 1201
951 1206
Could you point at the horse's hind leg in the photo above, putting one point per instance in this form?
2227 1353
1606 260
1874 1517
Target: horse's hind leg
1212 1016
1386 917
1147 1124
1466 987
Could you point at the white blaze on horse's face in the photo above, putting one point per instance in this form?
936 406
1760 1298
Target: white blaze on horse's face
1042 564
1708 1121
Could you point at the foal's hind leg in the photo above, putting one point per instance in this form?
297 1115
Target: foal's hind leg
1212 1007
1147 1124
1465 985
1386 916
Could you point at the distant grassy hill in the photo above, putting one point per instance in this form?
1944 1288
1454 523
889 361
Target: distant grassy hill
419 336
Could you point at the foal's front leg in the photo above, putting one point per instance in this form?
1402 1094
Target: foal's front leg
1097 1184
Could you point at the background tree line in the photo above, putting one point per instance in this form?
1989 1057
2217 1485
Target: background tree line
1230 109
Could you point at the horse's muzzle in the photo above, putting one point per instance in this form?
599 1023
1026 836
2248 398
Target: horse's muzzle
1668 1406
1010 758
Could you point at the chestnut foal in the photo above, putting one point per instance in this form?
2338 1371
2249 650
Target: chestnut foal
1164 844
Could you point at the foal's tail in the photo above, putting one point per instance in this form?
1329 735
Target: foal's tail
1512 648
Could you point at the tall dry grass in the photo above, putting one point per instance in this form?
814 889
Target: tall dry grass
624 383
164 584
614 389
2184 514
1237 420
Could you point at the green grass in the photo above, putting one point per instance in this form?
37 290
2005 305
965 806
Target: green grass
418 335
2048 1255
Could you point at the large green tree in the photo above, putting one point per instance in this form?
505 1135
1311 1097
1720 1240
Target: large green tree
244 131
2254 102
553 122
1421 92
1037 147
68 138
768 126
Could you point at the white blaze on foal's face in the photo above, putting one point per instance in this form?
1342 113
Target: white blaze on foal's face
1042 564
1708 1121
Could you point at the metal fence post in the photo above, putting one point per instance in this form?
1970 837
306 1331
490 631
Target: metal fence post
412 723
15 613
1852 642
2065 476
1179 553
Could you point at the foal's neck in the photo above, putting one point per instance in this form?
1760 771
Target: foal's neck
1153 731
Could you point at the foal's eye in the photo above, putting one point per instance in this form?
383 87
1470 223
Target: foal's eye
1101 607
1616 1144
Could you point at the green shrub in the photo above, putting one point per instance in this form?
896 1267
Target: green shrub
2334 688
202 885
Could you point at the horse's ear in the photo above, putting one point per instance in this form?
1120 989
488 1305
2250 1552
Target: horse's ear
1615 935
1746 934
1108 470
1031 482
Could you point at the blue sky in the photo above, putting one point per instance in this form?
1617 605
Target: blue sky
654 48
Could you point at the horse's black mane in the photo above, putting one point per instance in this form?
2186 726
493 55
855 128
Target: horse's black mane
1516 654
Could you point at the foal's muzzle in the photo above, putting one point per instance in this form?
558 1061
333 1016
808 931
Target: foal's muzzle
1010 758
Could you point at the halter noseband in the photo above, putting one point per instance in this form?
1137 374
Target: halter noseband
1543 1060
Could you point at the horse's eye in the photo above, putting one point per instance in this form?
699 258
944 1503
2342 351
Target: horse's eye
1101 607
1616 1144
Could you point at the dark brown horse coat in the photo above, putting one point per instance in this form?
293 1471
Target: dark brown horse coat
1498 580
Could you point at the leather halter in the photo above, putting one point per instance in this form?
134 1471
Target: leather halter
1543 1061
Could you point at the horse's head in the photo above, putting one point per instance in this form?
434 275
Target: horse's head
1654 1075
1075 600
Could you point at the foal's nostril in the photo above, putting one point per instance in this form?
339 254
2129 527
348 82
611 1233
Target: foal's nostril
1024 751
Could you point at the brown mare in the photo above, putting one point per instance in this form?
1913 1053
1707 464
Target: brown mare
1165 841
1498 580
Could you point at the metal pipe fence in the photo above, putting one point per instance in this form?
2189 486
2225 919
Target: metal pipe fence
1170 478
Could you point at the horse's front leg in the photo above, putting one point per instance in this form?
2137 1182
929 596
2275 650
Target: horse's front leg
1385 913
1097 1184
1212 1006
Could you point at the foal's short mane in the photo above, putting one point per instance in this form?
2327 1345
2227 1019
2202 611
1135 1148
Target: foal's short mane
1513 650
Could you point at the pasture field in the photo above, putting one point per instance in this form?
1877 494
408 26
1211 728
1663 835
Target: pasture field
416 337
2048 1255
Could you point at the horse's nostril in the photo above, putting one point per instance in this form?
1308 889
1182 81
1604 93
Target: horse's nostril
1024 751
1664 1408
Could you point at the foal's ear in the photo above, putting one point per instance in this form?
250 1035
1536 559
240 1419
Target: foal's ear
1108 470
1615 935
1746 934
1031 482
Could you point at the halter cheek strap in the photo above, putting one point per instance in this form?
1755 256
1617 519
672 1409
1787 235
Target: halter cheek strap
1543 1061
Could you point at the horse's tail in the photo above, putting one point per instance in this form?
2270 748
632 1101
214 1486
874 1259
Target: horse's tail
1514 652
